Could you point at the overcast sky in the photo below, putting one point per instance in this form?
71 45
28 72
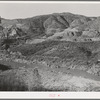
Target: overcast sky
24 10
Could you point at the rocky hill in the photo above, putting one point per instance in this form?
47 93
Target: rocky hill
48 24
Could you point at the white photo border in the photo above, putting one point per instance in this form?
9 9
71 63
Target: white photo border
50 95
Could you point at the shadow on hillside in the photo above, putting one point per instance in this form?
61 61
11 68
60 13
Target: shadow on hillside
4 67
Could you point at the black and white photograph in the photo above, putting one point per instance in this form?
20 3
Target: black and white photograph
47 47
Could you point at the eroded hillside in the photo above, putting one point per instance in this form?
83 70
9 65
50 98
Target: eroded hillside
55 52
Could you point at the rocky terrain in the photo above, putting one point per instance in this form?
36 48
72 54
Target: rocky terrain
55 52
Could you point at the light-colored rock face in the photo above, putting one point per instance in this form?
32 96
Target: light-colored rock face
13 32
52 31
66 34
91 33
76 23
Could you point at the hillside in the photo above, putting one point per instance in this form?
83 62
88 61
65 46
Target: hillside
47 24
54 52
73 27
